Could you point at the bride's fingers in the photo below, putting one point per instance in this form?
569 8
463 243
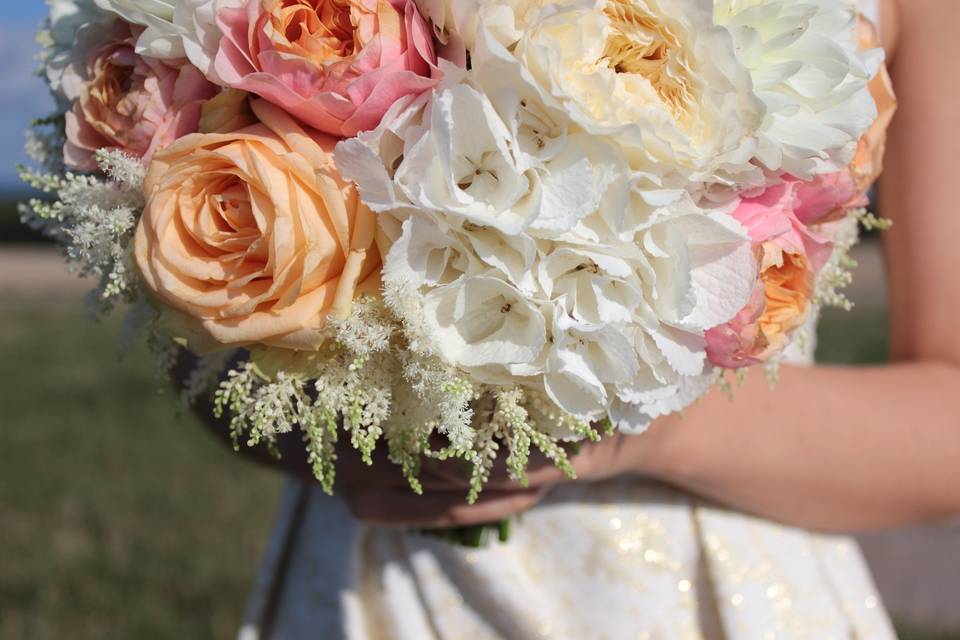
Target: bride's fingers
440 509
451 477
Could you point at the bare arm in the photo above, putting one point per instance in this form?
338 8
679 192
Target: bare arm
859 448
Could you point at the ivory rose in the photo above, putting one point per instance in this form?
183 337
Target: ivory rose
254 236
337 66
130 102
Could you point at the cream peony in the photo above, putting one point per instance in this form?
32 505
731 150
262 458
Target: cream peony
809 72
657 76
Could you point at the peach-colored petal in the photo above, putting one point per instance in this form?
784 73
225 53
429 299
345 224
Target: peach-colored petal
868 162
250 244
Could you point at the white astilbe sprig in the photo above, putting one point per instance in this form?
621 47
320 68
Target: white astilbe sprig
368 328
837 273
510 427
402 298
368 385
93 218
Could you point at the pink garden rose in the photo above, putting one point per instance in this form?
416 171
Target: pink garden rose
789 255
827 197
130 102
337 65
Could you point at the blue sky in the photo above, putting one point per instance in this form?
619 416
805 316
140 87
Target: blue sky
22 95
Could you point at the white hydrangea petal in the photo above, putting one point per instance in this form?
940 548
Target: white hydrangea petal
463 165
481 320
425 254
514 255
572 188
723 276
572 384
367 158
684 351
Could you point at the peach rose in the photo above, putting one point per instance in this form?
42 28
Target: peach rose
337 65
130 102
253 236
868 162
827 197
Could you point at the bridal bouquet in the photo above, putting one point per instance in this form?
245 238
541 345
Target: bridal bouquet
467 228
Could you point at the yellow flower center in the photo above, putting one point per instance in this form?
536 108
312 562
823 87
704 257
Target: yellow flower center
642 44
321 31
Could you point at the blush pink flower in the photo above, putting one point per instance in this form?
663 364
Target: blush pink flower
788 257
827 197
771 217
337 65
130 102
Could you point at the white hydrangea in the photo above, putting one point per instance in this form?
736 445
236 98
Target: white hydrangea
812 77
526 253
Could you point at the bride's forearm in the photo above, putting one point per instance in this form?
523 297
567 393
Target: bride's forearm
839 449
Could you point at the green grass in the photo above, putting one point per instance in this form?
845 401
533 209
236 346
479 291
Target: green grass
858 336
119 518
12 231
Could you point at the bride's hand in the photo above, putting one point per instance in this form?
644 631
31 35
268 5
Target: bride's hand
379 494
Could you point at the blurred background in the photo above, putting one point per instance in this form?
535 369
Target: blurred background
121 518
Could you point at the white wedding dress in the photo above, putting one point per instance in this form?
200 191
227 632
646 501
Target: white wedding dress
620 560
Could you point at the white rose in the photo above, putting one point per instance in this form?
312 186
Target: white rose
162 38
808 70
